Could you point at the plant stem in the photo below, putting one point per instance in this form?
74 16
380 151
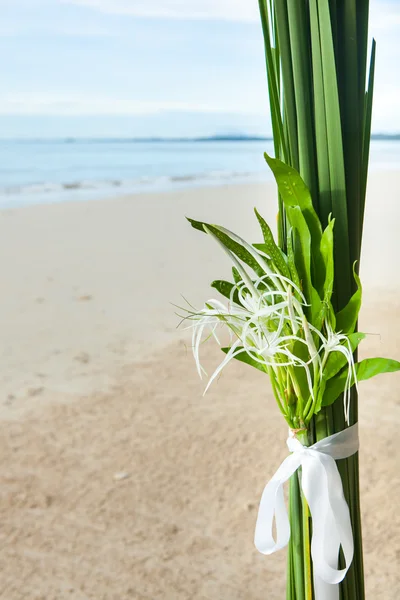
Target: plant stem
308 582
296 538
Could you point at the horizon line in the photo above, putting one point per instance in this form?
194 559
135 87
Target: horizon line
148 139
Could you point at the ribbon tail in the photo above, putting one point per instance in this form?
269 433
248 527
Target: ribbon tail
272 505
325 591
323 490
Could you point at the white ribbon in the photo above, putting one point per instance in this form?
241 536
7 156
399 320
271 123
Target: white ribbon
323 490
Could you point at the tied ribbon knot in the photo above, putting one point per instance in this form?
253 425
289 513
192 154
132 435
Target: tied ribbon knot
323 490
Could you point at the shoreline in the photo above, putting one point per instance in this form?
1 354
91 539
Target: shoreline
108 189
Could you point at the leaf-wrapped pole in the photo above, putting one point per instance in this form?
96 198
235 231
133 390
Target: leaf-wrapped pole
323 48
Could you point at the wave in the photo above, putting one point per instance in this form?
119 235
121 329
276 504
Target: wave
124 185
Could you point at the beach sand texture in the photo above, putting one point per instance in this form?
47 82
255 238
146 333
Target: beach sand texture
118 479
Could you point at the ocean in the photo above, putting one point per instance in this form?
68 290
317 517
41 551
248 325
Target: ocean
43 171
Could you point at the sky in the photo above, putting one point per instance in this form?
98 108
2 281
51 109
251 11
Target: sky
153 67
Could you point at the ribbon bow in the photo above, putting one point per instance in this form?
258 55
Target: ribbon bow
323 490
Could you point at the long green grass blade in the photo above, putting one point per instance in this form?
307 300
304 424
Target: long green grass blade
282 24
367 128
335 154
352 115
298 31
277 122
321 133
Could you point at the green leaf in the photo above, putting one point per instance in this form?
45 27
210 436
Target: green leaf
236 275
301 351
225 289
237 249
365 369
324 274
327 257
197 224
245 358
369 367
290 256
263 249
346 319
271 249
302 257
301 247
334 387
294 192
336 360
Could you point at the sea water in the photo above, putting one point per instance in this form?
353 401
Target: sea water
42 171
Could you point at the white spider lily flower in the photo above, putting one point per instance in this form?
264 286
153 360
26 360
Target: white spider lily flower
282 278
209 318
339 342
310 343
258 326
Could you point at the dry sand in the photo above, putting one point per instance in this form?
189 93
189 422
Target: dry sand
118 479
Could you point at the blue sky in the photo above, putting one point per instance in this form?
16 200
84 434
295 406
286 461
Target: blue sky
148 67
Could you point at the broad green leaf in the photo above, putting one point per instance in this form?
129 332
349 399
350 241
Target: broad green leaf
365 369
302 257
346 319
301 351
324 270
333 388
290 256
271 248
263 249
294 192
246 358
301 247
369 367
225 289
336 360
230 244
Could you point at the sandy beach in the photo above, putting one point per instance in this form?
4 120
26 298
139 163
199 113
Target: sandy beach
118 479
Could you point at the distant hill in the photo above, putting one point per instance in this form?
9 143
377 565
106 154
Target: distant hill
385 136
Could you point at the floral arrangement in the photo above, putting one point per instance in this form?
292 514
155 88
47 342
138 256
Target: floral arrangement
292 307
279 314
280 318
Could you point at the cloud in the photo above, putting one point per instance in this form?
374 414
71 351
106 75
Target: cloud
227 10
384 15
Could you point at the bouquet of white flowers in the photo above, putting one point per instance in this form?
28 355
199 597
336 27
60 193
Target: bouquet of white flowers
292 307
